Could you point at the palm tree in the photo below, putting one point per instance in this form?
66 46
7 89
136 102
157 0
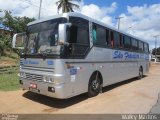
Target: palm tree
66 5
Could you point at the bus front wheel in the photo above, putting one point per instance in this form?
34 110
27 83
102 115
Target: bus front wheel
94 86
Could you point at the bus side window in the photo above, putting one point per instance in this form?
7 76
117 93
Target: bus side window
116 39
73 34
79 40
94 34
107 37
127 42
134 44
140 46
121 40
99 35
111 38
143 47
146 47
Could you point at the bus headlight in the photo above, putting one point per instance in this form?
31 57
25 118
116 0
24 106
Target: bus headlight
51 80
48 79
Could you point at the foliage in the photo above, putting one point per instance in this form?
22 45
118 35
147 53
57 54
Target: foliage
7 20
16 24
157 51
5 44
21 23
67 5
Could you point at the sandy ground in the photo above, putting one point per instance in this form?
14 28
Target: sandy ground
132 96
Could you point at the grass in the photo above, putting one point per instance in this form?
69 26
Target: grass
9 80
9 68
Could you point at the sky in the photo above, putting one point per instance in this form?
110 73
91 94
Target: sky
141 18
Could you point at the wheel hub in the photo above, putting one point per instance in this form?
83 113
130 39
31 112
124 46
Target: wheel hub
94 84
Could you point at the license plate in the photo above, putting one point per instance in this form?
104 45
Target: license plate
33 86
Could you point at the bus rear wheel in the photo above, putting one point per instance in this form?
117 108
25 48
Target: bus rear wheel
140 76
94 86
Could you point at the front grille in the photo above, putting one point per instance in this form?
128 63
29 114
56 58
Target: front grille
34 77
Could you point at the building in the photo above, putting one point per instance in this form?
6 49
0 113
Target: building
5 30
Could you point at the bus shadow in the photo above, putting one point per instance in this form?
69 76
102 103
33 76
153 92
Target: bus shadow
53 102
60 103
110 87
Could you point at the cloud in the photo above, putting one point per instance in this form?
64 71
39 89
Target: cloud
99 13
29 8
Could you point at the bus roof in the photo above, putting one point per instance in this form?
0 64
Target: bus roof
75 14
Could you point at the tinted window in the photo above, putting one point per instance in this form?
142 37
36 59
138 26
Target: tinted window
127 42
121 40
78 37
111 39
140 45
134 44
82 36
79 22
79 31
99 35
107 37
146 47
116 40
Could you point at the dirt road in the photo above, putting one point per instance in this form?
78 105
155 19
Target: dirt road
132 96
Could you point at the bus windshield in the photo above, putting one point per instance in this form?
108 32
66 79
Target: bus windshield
42 37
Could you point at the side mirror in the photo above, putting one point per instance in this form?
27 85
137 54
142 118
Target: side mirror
62 31
19 40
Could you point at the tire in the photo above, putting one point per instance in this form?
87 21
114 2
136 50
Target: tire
94 86
140 74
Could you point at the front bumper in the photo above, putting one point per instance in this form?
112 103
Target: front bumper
43 88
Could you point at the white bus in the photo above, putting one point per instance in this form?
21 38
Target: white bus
70 54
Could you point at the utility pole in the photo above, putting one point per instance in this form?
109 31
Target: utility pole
119 19
39 16
156 36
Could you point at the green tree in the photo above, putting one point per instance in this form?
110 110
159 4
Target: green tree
5 43
8 19
21 23
16 24
67 5
157 52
